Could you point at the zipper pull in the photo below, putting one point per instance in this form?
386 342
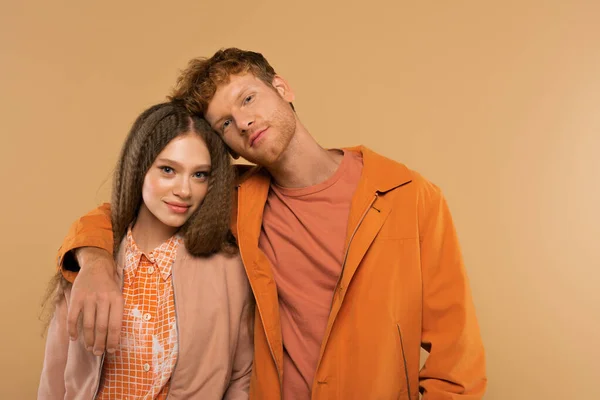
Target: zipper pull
373 204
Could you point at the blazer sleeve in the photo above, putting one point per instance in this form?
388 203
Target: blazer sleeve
52 380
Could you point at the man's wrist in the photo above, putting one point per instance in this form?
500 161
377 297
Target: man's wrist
87 257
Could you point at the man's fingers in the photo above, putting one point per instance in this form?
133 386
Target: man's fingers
89 319
102 310
75 307
94 294
114 324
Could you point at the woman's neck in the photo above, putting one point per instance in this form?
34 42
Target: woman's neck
149 232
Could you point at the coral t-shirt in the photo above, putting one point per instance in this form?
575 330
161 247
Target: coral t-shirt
303 236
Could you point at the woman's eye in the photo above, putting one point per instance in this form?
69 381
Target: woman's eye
226 124
201 175
248 99
167 170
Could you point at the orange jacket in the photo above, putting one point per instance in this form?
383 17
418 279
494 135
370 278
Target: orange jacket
403 285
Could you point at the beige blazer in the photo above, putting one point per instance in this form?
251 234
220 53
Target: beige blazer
213 307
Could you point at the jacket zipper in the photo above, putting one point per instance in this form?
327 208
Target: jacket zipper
405 363
176 327
335 290
257 303
364 214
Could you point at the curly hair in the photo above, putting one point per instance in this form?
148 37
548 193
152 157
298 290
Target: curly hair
198 83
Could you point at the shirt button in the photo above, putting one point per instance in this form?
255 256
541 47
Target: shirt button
147 317
146 367
150 270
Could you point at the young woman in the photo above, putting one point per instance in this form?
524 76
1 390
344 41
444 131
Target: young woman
187 304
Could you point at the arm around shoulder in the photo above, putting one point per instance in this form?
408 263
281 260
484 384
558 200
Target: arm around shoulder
96 294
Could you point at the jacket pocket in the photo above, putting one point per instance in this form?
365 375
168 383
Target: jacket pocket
405 365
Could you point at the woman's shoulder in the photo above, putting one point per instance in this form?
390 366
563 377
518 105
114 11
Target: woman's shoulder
227 262
223 269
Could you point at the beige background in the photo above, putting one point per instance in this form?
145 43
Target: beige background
499 104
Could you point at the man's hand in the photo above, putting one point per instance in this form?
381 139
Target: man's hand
96 294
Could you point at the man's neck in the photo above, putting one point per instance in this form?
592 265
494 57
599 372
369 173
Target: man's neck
305 163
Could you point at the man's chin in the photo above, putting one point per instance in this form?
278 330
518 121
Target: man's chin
267 162
271 158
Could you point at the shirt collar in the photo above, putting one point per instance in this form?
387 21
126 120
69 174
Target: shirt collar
161 257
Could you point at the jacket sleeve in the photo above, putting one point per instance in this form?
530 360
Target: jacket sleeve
239 384
455 368
52 380
92 230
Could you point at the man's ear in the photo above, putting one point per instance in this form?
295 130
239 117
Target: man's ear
283 88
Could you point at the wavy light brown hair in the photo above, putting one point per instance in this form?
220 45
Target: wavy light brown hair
207 230
198 83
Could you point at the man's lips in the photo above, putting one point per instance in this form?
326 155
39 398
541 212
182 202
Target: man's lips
256 135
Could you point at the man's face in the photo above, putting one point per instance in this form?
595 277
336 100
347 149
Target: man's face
253 118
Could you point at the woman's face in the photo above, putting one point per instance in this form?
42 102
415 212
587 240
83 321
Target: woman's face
176 183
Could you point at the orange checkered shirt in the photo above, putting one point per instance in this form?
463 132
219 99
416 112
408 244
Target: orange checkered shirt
141 367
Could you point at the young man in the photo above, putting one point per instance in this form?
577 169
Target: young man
353 258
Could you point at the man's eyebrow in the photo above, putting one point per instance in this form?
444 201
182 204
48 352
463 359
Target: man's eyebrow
242 92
